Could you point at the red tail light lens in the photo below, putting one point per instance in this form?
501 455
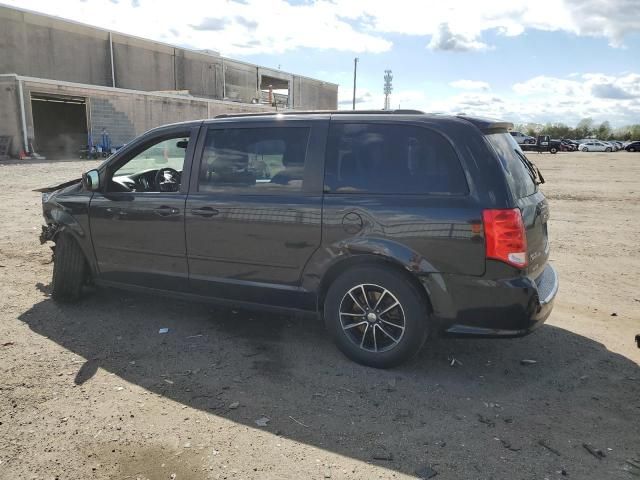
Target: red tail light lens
505 237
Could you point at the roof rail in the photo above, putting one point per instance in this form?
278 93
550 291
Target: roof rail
316 112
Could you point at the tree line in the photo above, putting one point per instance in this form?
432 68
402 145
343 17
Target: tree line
586 128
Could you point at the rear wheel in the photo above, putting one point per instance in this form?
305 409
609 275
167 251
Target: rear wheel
585 149
553 150
69 268
607 149
376 316
632 149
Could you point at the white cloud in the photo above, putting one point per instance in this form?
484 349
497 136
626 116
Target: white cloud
277 26
540 99
551 99
470 85
459 24
445 39
230 27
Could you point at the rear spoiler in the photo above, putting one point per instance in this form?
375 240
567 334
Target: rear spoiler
488 125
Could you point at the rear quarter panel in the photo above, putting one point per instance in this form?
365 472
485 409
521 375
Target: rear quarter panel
424 233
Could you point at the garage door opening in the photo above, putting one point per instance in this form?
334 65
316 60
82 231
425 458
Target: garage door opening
59 124
274 91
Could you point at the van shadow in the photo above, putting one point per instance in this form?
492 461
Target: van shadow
482 417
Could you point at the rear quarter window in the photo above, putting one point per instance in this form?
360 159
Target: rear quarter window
518 178
391 159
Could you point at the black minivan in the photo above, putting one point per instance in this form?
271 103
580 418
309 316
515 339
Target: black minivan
391 225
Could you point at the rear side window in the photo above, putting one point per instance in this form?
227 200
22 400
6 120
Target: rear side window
508 151
391 159
254 160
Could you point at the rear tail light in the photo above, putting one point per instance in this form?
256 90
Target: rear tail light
505 236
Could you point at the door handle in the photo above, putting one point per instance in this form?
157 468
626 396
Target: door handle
204 211
165 211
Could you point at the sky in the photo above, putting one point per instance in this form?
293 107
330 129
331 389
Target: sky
523 61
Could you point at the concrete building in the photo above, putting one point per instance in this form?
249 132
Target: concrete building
62 83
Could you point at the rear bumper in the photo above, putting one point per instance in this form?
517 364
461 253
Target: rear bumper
495 308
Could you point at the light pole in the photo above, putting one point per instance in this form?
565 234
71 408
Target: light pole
355 73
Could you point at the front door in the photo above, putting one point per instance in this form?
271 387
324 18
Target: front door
137 222
253 218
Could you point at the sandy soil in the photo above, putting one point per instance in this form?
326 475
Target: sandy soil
93 391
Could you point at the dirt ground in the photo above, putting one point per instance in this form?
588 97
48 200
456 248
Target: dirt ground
94 391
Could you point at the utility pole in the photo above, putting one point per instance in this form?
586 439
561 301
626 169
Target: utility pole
355 73
388 77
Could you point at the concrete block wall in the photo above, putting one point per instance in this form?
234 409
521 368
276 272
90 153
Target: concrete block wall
10 113
41 46
35 45
124 113
143 65
117 123
310 94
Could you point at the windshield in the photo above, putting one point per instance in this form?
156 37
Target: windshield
522 175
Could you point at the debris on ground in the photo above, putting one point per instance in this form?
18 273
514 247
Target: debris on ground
453 361
234 405
614 314
508 445
487 421
632 466
544 444
298 422
633 462
7 344
383 455
426 472
391 385
263 421
599 454
527 361
163 330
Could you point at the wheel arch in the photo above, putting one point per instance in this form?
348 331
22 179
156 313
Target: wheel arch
365 259
63 223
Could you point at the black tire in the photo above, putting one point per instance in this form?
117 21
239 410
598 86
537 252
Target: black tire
607 150
585 149
553 150
412 307
632 149
69 269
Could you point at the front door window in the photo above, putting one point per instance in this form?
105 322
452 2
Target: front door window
157 168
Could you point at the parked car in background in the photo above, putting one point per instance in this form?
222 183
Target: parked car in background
571 142
568 146
522 139
544 143
366 219
633 147
595 146
614 145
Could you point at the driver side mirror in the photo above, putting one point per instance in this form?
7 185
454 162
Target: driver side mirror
91 180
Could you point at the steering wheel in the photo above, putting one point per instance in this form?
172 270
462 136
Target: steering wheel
166 183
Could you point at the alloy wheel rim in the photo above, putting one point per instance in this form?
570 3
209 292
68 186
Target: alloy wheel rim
372 318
